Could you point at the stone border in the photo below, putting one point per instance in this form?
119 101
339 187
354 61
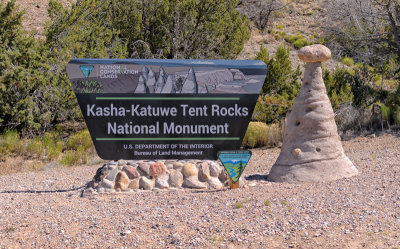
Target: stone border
133 175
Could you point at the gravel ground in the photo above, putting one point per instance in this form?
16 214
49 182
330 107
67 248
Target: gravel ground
44 209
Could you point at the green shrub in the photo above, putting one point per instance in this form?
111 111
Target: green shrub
70 158
80 140
49 139
79 147
145 29
386 112
391 109
35 147
321 40
300 43
238 205
49 146
53 152
32 97
397 116
75 157
259 134
280 87
347 61
298 40
309 13
338 86
281 78
279 26
11 143
256 135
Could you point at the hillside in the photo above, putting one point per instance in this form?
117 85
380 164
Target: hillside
297 17
36 14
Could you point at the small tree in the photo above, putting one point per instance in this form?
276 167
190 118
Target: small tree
149 28
260 12
280 87
88 29
30 98
366 30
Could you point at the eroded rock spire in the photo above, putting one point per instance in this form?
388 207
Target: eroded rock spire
312 150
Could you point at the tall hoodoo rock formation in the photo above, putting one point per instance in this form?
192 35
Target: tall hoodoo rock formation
312 149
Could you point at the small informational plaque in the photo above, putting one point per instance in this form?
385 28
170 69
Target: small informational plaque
166 109
234 162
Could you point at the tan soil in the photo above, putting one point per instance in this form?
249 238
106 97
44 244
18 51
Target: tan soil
36 15
44 209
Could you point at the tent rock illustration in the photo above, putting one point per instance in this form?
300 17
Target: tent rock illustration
151 81
162 78
312 149
190 84
141 87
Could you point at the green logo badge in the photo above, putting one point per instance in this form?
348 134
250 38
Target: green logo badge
86 70
234 162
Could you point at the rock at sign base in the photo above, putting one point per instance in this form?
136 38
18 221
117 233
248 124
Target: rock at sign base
190 170
204 171
101 173
146 183
162 183
106 184
111 176
131 172
177 165
215 169
91 184
223 175
214 183
157 169
121 162
144 168
88 192
134 184
193 182
175 179
122 181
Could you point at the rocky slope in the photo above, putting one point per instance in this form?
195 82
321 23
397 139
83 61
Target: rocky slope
298 17
36 15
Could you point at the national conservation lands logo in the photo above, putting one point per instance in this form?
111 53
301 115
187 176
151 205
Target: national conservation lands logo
167 109
234 162
86 70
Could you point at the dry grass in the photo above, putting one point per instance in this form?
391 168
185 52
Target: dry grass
259 134
11 165
20 154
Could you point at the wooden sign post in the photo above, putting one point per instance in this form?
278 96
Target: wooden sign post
233 185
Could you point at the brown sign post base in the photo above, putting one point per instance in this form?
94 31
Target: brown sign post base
234 185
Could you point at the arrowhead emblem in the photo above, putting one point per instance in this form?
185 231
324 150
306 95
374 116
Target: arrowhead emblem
234 162
86 70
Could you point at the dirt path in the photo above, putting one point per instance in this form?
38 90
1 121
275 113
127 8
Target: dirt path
44 209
